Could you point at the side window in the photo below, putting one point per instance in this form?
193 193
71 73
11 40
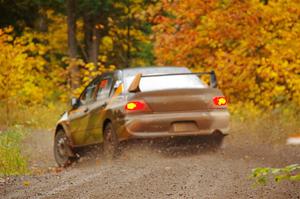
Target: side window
104 88
88 94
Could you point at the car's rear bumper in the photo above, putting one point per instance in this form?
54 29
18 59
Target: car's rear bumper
162 124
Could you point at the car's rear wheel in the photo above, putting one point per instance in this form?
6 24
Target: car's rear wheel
217 140
110 142
62 150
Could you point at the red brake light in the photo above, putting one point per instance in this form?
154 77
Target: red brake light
135 106
220 101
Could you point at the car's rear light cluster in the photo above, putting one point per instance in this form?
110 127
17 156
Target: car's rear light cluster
220 101
137 106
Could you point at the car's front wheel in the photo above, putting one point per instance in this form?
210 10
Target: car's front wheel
110 142
62 149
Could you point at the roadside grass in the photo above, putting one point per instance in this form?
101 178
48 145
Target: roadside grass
264 174
16 126
34 117
12 161
268 127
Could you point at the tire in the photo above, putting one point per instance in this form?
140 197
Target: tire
62 150
217 141
110 142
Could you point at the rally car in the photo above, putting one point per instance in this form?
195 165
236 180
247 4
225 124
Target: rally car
149 102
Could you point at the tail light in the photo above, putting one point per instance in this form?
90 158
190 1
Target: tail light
136 106
220 101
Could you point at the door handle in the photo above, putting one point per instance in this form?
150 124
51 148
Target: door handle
86 110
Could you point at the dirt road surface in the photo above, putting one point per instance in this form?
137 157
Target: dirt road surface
148 169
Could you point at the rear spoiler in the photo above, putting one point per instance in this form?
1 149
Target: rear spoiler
135 85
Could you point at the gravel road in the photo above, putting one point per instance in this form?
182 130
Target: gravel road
152 169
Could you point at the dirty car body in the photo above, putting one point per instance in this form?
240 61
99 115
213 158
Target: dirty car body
145 103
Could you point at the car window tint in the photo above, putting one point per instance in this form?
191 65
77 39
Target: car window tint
104 88
88 94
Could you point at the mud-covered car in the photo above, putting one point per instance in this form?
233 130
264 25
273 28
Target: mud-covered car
141 103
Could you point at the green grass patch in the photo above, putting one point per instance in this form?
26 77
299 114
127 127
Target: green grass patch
290 173
11 160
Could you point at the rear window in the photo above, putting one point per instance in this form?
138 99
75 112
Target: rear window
167 82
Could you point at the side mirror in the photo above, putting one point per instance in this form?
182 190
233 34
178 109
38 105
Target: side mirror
74 102
213 80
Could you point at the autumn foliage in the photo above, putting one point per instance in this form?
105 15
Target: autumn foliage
25 74
254 48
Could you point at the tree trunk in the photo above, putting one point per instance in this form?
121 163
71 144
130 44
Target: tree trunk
91 38
128 36
41 23
95 46
72 44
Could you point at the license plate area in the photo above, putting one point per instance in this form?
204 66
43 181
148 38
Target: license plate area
184 127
